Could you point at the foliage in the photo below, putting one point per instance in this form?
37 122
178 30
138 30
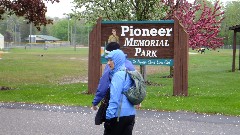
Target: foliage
231 15
54 79
17 27
203 30
8 37
119 9
32 10
78 31
60 29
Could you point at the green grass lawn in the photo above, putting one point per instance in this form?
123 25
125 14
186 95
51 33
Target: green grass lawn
58 75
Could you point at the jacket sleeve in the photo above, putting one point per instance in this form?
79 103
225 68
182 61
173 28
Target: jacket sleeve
129 65
116 88
103 85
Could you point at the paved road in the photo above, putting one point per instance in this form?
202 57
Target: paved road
35 119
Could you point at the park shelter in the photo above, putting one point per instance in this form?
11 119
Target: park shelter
1 41
235 29
42 39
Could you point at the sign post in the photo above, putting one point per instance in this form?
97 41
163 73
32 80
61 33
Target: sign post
144 42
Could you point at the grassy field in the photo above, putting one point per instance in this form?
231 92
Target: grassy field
59 75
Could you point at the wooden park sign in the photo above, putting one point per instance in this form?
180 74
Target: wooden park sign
161 42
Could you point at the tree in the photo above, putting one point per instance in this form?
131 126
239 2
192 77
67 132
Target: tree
203 30
60 29
119 10
8 36
32 10
231 15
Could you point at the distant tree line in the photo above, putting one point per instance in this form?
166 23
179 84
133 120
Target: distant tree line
16 29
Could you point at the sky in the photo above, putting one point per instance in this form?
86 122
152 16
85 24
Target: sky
65 6
58 9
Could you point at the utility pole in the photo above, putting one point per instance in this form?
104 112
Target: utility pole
15 34
30 33
75 24
68 30
75 34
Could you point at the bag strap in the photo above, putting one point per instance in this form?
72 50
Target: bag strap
120 106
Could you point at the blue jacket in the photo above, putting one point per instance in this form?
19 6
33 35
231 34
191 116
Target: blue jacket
104 82
120 82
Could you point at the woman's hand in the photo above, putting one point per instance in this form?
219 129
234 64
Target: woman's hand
94 107
138 106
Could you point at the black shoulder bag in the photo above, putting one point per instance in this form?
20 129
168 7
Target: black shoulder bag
101 113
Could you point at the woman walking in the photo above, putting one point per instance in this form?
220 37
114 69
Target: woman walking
120 114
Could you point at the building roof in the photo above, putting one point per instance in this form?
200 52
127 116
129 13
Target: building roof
47 38
44 38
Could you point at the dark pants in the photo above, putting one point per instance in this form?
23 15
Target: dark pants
123 127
